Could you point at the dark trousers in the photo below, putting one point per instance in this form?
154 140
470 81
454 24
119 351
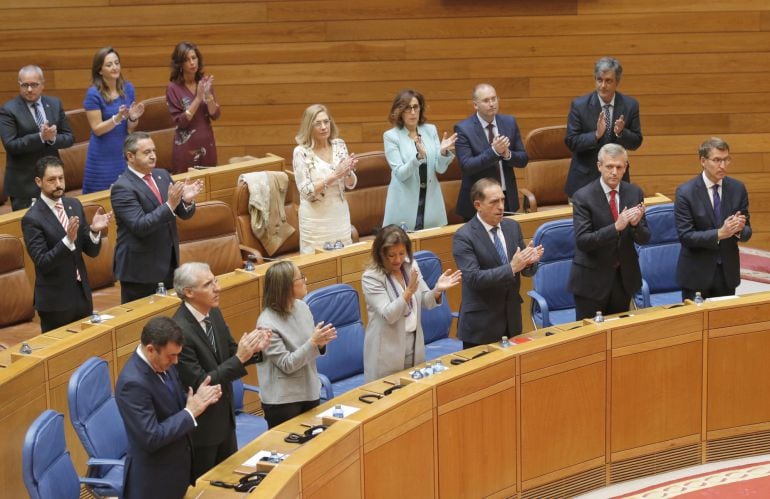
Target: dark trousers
718 287
80 308
205 458
467 345
130 291
616 302
276 414
20 203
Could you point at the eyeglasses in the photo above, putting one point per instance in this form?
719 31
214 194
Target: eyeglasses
301 277
412 109
320 123
721 161
31 86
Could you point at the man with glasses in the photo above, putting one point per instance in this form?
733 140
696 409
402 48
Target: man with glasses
712 216
32 125
209 351
488 145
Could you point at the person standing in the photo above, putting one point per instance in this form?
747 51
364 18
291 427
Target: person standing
608 215
193 106
488 145
209 351
159 414
492 266
56 235
602 117
32 125
112 113
712 217
146 202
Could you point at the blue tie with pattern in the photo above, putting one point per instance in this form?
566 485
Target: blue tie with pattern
499 245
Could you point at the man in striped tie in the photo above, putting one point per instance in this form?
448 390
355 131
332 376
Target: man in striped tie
210 351
32 125
56 234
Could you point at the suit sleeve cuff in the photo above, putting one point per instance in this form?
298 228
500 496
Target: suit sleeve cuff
195 422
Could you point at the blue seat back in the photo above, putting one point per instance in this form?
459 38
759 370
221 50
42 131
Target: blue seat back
437 321
558 240
658 258
237 395
94 412
339 305
47 468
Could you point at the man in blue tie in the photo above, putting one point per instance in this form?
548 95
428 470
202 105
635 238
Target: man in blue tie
159 414
490 252
712 216
32 125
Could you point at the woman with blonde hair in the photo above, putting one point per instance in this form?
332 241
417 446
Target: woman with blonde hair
323 170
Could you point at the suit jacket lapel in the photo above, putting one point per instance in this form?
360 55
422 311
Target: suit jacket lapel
481 132
483 235
171 397
510 241
47 217
200 334
143 188
703 196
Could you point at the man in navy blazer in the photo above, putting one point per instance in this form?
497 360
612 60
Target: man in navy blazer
62 292
217 357
25 141
147 202
608 215
159 413
488 145
492 267
602 117
710 225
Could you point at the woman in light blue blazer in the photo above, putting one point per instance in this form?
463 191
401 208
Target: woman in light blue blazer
415 155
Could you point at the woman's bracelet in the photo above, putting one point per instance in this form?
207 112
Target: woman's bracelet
116 122
132 120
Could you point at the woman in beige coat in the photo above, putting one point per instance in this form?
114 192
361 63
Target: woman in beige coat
395 294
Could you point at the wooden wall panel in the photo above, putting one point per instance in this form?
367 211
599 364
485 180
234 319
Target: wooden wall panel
698 69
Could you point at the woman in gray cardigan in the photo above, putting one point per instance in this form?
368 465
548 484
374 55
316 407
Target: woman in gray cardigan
395 294
288 377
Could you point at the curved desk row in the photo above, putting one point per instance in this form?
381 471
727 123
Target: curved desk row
58 353
552 417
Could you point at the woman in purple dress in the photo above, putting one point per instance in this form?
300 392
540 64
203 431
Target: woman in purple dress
112 113
191 101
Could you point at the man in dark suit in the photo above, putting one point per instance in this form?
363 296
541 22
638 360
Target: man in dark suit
147 202
608 215
211 352
488 145
492 267
599 118
56 236
712 216
32 125
157 416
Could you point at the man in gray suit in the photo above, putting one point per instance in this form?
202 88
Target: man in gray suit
491 267
209 351
32 125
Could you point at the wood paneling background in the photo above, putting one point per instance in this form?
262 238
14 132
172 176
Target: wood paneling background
697 68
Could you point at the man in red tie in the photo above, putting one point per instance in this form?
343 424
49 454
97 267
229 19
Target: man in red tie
56 235
147 202
608 215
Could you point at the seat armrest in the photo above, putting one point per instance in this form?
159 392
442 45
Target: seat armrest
327 393
96 482
539 301
646 302
528 201
103 461
251 388
354 233
248 250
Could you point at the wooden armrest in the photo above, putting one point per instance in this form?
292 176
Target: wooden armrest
354 233
248 250
528 201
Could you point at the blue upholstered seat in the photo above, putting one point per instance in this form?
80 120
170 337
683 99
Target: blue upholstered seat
551 302
437 321
658 259
343 363
247 426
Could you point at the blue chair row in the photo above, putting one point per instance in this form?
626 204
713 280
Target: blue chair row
552 304
342 368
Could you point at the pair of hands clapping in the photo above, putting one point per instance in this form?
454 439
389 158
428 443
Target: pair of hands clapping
523 258
344 168
601 125
183 191
629 216
133 113
447 145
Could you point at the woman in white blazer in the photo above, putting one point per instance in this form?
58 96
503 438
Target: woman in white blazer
288 377
415 155
395 294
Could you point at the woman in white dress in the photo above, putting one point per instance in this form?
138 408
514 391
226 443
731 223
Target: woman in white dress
323 169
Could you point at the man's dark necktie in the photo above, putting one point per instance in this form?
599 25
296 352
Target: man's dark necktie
39 119
499 245
210 333
717 205
607 121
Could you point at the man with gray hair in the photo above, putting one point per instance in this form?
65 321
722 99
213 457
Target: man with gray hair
209 351
712 216
608 216
32 126
601 117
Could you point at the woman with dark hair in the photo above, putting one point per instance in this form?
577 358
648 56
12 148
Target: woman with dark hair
415 155
395 294
288 377
193 106
112 113
323 170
